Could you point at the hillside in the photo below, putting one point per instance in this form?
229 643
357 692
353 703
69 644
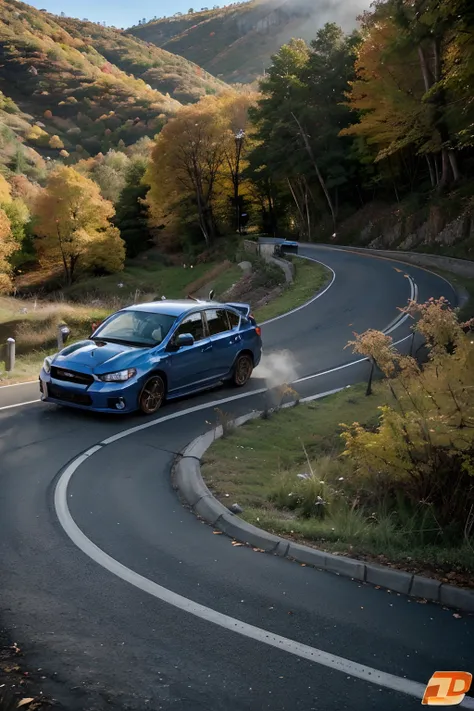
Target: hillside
163 71
78 88
236 42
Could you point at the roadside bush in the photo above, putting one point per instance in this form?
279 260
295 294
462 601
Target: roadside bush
313 493
421 454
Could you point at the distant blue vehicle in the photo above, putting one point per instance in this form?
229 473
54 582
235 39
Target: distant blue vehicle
144 354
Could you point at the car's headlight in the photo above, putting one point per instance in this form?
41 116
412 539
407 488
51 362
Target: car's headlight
119 377
47 364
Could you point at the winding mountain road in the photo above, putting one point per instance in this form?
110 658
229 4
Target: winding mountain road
125 600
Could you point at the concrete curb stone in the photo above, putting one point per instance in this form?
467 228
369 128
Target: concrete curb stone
191 486
389 578
451 596
234 527
426 588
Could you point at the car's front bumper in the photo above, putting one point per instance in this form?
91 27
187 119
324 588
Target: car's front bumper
116 398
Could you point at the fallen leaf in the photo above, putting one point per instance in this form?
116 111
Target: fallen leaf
458 617
217 533
10 669
236 545
303 565
25 702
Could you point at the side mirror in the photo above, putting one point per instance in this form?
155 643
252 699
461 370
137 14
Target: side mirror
184 339
211 295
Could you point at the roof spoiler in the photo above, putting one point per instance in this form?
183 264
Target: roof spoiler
243 308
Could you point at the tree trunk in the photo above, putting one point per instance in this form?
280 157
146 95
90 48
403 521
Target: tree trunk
427 79
453 160
446 170
318 173
429 160
308 218
298 206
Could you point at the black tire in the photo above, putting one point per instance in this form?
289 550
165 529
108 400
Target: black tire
152 395
242 372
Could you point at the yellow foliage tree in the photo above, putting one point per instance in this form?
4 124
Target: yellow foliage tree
7 247
185 164
37 135
197 162
73 225
423 447
55 142
5 191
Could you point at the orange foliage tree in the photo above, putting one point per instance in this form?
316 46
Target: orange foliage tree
73 225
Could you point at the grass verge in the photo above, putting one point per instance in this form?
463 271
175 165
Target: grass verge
309 278
261 466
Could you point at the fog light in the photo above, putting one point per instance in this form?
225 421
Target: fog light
120 404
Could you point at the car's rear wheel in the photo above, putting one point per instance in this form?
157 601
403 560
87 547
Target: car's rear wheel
152 395
242 370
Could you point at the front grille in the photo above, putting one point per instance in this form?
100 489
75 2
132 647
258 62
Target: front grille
71 376
69 395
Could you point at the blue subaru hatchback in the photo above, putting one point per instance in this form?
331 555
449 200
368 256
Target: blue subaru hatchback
146 353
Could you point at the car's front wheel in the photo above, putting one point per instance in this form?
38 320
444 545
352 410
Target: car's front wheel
242 370
152 395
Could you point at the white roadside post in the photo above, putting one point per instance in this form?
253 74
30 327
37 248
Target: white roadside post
63 335
10 355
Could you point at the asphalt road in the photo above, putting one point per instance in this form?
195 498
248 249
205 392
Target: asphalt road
103 643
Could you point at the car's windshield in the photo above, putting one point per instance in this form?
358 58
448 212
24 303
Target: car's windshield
139 328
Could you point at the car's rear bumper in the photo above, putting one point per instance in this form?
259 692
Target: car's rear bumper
115 398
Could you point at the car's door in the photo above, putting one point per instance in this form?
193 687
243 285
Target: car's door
222 326
190 365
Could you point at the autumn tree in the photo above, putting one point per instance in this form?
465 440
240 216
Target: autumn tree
5 191
185 166
237 141
413 70
73 225
423 449
7 247
55 142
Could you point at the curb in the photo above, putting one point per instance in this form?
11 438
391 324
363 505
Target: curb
193 490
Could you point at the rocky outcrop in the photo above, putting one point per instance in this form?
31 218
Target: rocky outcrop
436 229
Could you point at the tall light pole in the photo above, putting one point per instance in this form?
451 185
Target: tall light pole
239 139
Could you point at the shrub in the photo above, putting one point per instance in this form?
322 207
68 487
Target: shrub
422 452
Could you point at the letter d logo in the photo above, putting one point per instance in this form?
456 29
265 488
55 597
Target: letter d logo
447 688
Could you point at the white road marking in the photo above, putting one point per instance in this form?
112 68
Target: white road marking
14 385
303 651
19 404
311 301
341 367
403 317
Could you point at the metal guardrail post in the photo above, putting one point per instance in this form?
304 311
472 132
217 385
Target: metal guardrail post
10 355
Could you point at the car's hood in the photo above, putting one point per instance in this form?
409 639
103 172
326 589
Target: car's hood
101 357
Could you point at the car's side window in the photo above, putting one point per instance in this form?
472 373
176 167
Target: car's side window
234 320
192 324
217 321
